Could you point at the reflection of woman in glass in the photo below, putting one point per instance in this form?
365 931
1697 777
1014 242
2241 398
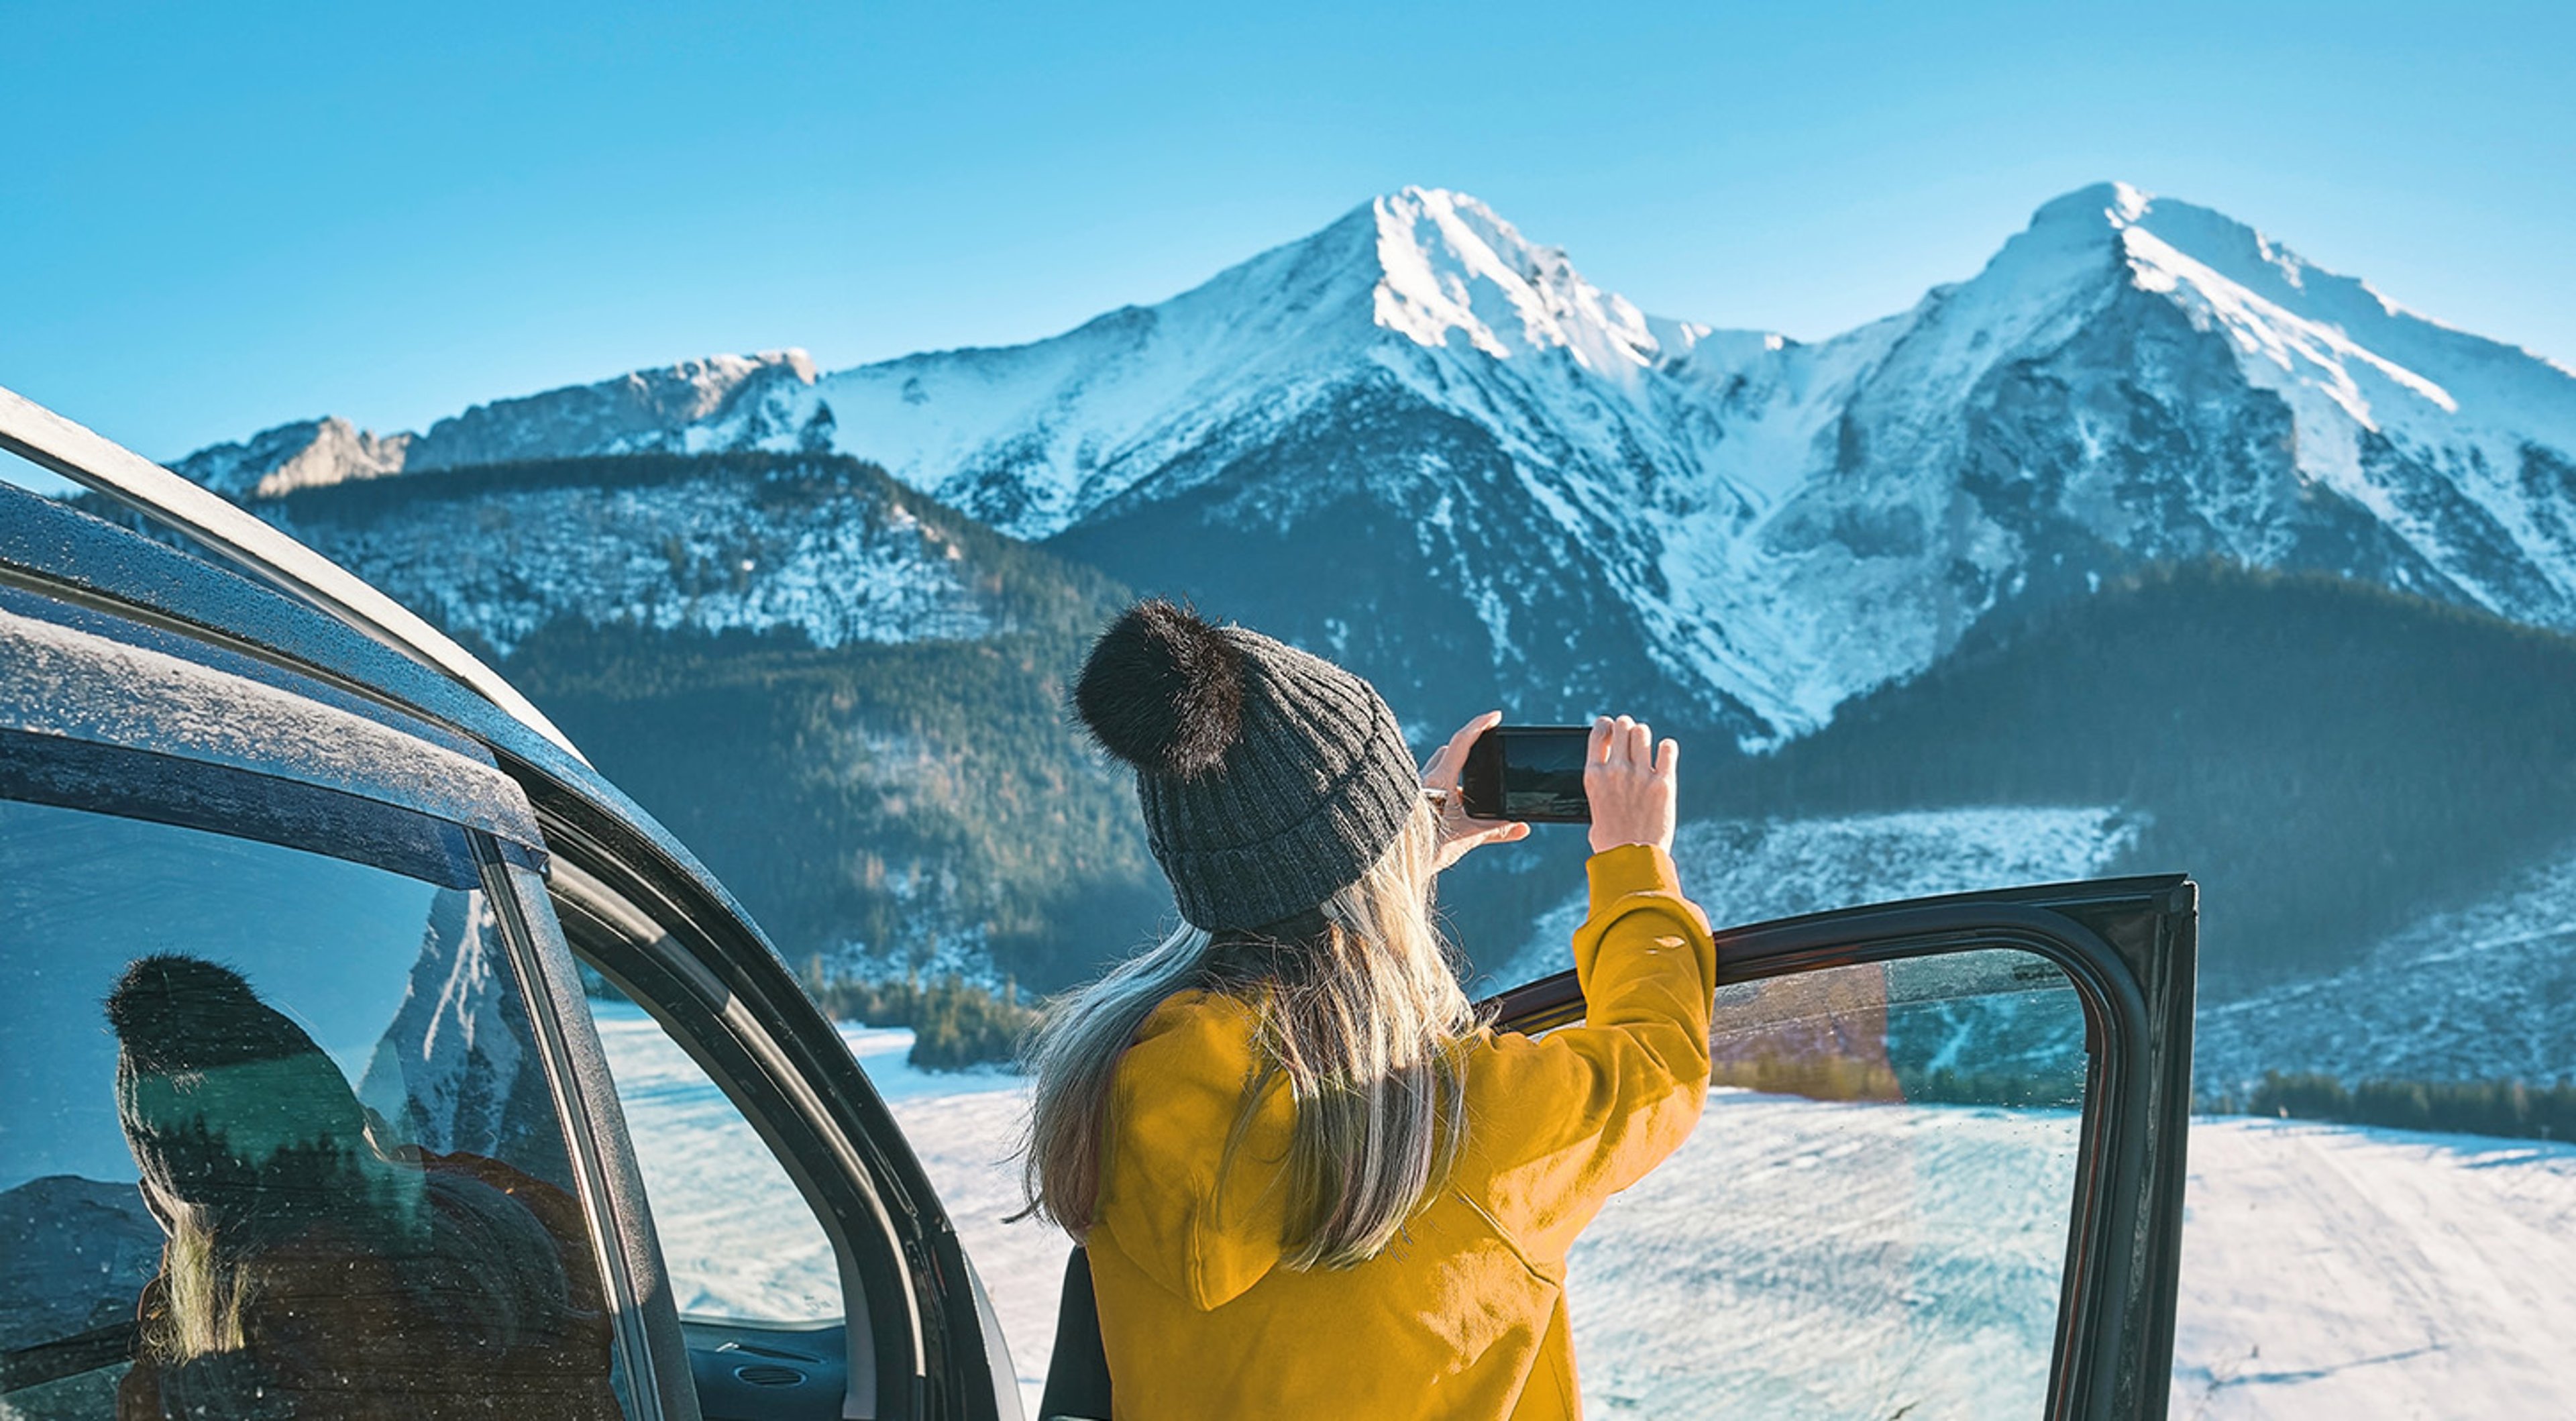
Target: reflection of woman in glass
312 1269
1310 1185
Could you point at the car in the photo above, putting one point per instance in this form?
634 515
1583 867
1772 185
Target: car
368 1053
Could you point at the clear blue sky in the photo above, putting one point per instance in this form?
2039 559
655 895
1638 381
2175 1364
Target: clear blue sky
220 217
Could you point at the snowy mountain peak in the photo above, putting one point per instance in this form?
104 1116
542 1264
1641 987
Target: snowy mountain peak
2348 360
694 389
2166 242
2083 230
1453 267
2114 204
2318 338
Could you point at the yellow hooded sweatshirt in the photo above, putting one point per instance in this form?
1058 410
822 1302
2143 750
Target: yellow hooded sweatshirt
1465 1315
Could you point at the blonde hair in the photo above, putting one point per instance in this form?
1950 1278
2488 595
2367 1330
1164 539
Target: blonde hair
1360 1017
205 1292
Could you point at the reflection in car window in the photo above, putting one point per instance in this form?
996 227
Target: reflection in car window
277 1141
1871 1218
740 1242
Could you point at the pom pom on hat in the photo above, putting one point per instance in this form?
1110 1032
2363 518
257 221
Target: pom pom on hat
174 1013
1163 690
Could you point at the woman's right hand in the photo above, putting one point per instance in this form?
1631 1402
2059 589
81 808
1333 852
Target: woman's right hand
1629 780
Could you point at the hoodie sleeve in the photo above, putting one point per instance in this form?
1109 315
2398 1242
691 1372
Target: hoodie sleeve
1575 1116
1179 1091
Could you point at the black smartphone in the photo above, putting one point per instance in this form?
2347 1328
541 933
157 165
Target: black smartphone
1527 772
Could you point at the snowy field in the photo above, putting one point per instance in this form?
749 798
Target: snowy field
738 1238
1805 1259
2362 1274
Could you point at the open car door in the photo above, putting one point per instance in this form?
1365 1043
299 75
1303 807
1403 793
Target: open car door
1940 1173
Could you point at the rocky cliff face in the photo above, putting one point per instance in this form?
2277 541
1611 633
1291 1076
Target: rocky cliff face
312 453
721 402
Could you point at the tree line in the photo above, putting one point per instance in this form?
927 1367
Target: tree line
2512 1109
955 1023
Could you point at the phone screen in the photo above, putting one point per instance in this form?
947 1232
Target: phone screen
1528 772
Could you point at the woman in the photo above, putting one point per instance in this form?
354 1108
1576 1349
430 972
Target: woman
1309 1183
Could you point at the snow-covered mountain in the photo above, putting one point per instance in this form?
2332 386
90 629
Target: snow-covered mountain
1421 440
454 1068
817 543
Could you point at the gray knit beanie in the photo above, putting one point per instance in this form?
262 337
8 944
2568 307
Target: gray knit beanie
1270 778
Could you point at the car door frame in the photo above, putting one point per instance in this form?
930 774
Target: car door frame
2129 947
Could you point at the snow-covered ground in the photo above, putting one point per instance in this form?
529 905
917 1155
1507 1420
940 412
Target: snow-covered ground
1843 1259
2365 1274
1846 1260
739 1240
1806 1259
1801 1259
1798 1259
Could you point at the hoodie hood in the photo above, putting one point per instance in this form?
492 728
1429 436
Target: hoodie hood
1204 1223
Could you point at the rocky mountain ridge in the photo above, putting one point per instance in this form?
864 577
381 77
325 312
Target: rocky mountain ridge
1429 445
717 403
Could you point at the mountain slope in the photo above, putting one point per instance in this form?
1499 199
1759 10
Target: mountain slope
2332 761
1755 870
2476 993
821 546
887 809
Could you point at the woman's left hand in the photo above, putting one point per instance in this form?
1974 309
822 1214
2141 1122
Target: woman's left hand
1458 833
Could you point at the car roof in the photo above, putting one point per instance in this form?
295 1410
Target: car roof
253 548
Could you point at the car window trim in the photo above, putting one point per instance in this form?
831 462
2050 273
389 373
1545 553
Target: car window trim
699 1011
151 788
541 961
2111 1161
252 548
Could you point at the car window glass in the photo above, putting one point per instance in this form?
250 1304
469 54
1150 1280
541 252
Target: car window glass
738 1239
1872 1216
277 1141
